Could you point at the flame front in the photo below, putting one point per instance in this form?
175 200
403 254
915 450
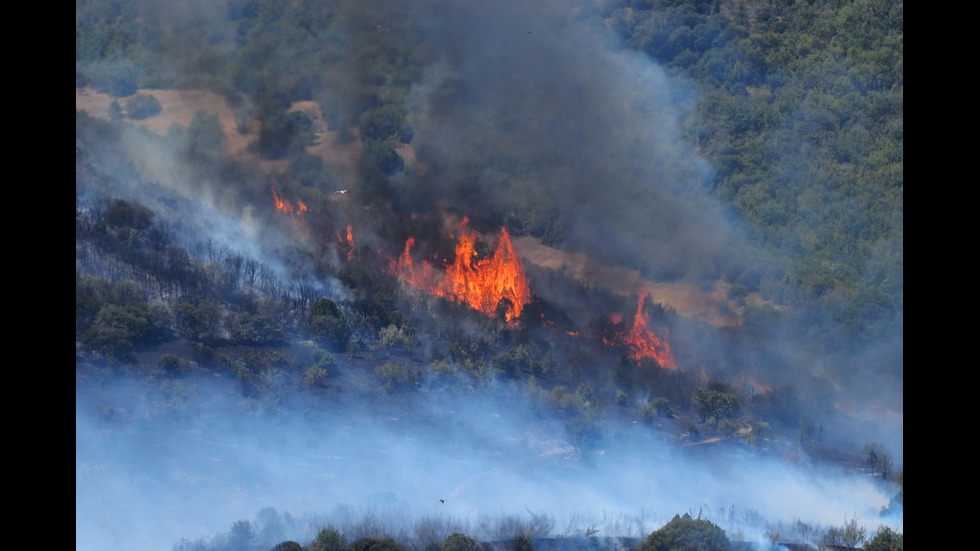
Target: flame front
497 281
642 342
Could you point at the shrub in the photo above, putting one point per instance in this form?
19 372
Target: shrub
143 106
686 534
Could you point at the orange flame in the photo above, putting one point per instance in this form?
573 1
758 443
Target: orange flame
642 342
348 243
497 281
281 204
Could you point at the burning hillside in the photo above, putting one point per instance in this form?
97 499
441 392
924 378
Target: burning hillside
493 284
641 342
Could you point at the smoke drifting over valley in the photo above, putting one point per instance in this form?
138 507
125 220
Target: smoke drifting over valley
524 119
469 461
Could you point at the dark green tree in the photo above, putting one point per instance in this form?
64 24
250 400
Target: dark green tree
258 324
128 214
686 534
115 111
885 540
143 106
714 404
329 322
373 544
459 542
118 331
328 540
198 322
205 138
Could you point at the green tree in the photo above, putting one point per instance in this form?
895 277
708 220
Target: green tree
459 542
128 214
118 330
328 540
287 546
329 322
714 404
885 540
655 408
256 328
373 544
686 534
396 376
198 322
205 137
394 336
143 106
115 111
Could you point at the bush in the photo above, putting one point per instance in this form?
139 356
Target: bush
459 542
397 376
115 111
886 540
142 106
373 544
315 376
686 534
328 540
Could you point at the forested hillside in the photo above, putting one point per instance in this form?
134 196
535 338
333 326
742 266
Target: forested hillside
401 220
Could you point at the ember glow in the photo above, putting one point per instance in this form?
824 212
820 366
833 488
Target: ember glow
641 341
495 282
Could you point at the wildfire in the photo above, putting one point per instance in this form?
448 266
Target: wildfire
283 205
497 281
642 342
296 212
347 244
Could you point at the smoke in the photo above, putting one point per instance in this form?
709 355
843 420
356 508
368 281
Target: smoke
525 114
569 133
149 473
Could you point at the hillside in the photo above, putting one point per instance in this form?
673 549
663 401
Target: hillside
372 263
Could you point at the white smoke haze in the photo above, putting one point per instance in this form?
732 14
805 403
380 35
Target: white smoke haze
147 476
571 122
209 216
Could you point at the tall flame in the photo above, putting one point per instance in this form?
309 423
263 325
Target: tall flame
497 281
348 243
642 342
281 204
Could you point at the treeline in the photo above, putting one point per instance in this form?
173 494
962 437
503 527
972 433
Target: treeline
801 113
519 533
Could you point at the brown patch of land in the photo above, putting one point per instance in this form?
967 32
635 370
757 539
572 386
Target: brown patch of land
689 300
180 106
